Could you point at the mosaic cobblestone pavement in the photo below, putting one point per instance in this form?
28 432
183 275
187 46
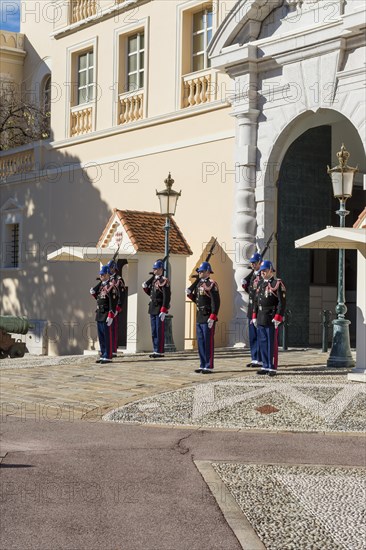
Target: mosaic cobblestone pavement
288 402
300 507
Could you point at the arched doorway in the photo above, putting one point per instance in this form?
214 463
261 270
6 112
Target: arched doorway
305 204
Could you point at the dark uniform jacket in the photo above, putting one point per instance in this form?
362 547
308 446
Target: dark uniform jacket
250 285
119 283
205 293
270 302
106 296
158 288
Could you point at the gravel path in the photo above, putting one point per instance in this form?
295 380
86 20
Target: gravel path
328 403
301 507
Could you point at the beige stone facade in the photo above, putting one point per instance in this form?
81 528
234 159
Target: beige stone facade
137 92
12 56
114 150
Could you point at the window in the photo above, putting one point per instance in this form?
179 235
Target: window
198 82
46 106
81 95
132 74
85 72
12 245
47 95
135 62
11 220
202 34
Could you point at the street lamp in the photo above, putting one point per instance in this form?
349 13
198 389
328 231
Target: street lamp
342 181
168 203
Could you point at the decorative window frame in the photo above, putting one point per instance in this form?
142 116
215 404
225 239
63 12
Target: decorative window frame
38 80
183 10
204 33
121 34
88 89
139 34
11 213
72 54
45 89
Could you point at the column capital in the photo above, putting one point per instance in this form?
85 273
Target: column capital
245 116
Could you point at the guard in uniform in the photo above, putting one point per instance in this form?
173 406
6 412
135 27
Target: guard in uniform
250 284
119 283
106 296
205 293
268 312
158 288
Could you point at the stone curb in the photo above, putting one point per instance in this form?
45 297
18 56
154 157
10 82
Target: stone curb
232 513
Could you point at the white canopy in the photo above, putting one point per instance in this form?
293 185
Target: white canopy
348 238
86 254
335 238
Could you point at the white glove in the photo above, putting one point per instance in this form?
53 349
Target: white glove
144 285
210 323
188 291
109 321
162 316
92 291
255 322
276 323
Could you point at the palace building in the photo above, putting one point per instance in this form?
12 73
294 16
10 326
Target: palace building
245 103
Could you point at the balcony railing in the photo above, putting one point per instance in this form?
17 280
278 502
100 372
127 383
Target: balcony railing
131 107
198 88
12 163
81 9
81 120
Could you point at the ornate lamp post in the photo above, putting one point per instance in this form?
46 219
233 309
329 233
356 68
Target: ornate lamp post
342 181
168 203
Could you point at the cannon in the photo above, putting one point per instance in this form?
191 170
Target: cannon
9 345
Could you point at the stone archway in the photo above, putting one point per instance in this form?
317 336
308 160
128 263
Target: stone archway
283 86
303 204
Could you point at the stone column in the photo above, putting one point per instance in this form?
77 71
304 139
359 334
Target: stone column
358 374
244 216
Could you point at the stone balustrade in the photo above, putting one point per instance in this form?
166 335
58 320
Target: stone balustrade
81 120
12 163
81 9
198 88
131 107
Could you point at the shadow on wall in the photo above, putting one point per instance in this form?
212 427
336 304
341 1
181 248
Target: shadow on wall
222 267
53 202
60 205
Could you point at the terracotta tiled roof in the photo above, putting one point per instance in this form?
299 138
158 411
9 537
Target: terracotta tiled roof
147 234
361 221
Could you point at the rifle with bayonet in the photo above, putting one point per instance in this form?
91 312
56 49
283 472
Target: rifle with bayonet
246 280
115 255
195 276
114 259
267 245
265 248
208 257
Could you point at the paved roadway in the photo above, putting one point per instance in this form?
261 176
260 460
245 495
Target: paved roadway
70 481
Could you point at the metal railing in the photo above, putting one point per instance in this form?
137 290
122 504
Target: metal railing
326 324
285 325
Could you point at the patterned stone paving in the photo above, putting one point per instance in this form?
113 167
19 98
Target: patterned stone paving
301 507
304 403
290 507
